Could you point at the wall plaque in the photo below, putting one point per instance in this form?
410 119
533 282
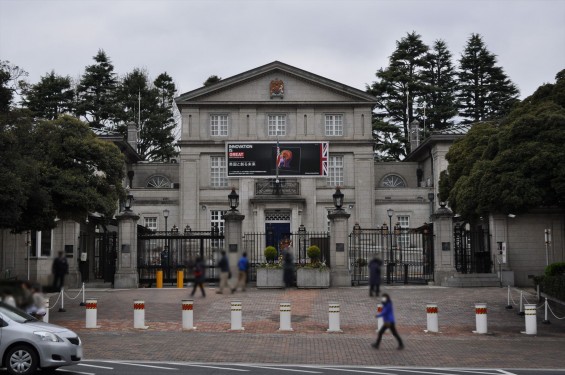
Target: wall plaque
233 248
446 246
339 246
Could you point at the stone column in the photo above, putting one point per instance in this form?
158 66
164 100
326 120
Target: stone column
233 238
444 262
340 274
126 264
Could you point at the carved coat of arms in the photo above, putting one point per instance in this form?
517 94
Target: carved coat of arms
276 88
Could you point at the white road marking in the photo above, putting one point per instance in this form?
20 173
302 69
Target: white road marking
140 365
76 372
216 367
103 367
362 371
281 369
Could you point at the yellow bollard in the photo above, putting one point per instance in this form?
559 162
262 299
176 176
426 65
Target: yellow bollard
180 279
159 278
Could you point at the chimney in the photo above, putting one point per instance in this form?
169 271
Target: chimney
132 135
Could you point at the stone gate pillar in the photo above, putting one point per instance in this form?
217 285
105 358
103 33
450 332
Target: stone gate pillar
126 275
340 274
444 260
233 233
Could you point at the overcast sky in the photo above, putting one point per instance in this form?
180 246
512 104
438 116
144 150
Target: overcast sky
343 40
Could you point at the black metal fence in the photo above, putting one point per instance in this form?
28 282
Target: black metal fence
255 244
172 251
407 254
471 249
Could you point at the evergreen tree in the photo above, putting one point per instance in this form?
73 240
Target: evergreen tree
211 80
439 77
397 88
96 92
485 92
10 84
50 97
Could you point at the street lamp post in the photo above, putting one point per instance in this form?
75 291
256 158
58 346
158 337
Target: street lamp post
166 216
390 265
302 240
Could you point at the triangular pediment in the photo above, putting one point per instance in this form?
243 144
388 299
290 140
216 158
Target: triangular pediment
276 83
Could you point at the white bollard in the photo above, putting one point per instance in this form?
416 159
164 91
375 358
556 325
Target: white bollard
380 321
333 312
285 316
521 312
91 313
46 306
139 314
481 317
432 317
83 292
236 316
62 308
508 305
531 323
546 319
187 314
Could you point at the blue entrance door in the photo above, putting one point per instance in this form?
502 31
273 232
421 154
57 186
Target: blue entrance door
276 234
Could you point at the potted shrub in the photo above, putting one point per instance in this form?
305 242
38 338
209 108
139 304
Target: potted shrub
314 274
270 273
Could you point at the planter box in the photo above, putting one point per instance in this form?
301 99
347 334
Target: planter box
312 278
270 278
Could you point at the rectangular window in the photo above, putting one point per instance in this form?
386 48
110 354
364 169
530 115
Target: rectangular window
219 125
40 243
218 171
151 223
404 237
277 125
335 171
334 125
217 226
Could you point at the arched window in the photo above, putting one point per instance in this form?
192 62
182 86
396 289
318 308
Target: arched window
158 182
393 181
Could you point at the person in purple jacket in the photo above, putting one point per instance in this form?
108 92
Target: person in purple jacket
387 314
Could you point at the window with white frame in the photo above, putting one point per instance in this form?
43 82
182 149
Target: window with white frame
335 171
151 222
219 125
218 171
40 242
217 225
276 125
404 237
334 125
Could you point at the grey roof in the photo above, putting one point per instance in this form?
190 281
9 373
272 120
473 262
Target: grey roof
459 129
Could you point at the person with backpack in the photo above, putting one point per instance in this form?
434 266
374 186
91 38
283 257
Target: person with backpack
199 276
242 266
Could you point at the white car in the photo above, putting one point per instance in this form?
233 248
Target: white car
27 343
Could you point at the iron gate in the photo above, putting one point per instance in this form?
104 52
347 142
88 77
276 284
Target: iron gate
407 253
105 255
172 251
255 244
471 249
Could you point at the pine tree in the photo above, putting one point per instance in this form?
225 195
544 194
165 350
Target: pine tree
439 77
51 97
96 92
485 92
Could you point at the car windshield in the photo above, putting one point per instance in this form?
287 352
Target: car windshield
15 314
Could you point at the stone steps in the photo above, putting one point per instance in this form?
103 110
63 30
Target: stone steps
472 280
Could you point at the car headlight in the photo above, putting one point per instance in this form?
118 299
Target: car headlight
47 336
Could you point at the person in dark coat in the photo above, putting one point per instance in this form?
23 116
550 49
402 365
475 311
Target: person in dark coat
288 268
374 276
224 267
60 269
389 322
199 276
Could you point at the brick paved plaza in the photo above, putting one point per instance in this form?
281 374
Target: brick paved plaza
309 342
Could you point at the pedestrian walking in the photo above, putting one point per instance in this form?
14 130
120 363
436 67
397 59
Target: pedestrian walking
374 276
224 267
199 276
242 266
387 314
60 269
288 268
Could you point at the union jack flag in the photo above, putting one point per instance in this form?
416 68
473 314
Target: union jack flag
324 150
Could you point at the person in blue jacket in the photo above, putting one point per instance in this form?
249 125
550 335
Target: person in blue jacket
387 314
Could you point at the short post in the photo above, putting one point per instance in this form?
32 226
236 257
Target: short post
236 316
187 314
432 317
139 314
380 321
180 278
333 312
481 317
285 316
62 308
83 292
46 306
508 304
91 313
521 312
531 324
546 320
159 275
